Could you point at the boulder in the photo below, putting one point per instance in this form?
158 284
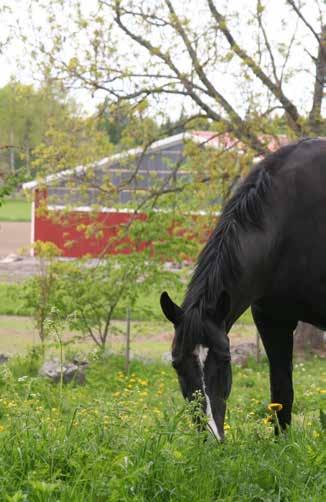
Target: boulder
241 353
71 371
3 358
11 258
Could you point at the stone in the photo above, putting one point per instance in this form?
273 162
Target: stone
167 357
11 258
3 358
241 353
71 371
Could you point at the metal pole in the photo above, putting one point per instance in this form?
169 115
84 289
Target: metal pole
127 361
257 346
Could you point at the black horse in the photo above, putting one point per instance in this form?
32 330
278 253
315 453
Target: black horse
268 251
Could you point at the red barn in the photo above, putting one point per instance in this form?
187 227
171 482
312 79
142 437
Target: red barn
62 210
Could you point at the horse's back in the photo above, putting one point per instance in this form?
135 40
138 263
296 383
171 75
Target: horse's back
299 272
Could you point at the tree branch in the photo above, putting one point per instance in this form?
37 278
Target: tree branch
267 44
235 123
315 118
304 20
276 90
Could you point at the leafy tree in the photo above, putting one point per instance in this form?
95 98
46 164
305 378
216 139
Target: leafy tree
24 116
223 64
175 54
38 292
90 297
126 126
68 143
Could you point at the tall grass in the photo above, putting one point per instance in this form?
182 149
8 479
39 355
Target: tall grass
123 438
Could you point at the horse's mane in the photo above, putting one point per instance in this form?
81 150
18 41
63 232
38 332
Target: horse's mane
218 263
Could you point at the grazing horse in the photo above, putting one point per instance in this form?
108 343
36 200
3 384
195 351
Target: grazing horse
268 251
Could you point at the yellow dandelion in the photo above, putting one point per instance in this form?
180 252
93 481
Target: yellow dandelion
2 428
116 394
267 420
227 427
322 391
275 406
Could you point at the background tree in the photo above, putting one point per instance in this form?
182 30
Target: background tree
26 113
238 65
234 65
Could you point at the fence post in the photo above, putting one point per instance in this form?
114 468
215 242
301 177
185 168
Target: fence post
127 359
257 346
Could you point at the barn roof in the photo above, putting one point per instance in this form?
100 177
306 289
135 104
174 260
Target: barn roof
206 138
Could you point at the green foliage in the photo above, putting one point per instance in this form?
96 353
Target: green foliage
9 183
88 296
124 438
12 300
69 141
38 292
145 308
24 114
127 126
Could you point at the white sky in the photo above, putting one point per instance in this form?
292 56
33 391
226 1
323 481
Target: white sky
297 89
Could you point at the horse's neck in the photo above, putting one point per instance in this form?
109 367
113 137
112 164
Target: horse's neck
256 268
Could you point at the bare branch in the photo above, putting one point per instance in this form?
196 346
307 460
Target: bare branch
288 52
304 20
289 107
267 44
212 91
235 123
315 118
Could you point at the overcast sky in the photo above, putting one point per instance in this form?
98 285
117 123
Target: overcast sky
17 51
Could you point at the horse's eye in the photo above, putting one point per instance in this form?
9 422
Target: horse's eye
174 364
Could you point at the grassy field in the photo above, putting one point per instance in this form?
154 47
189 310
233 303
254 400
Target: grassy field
129 437
147 308
15 210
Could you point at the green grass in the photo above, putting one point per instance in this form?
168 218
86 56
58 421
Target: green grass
18 335
123 438
11 302
147 308
15 210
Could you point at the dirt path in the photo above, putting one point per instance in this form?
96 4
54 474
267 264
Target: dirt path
13 236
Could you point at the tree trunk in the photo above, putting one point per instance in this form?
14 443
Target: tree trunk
315 117
308 338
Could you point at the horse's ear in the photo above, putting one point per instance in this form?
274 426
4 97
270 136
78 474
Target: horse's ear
171 311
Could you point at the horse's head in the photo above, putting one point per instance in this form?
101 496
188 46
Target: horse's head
201 358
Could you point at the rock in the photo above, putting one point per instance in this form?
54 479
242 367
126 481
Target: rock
241 353
11 258
3 358
166 357
74 371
